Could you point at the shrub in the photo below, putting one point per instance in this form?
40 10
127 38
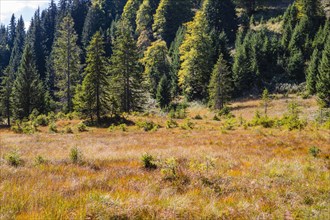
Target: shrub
170 169
225 111
60 116
68 130
39 160
291 119
82 127
75 155
263 121
178 111
17 128
229 124
216 118
187 125
148 161
314 151
14 159
198 117
171 124
52 128
42 120
29 127
147 125
123 127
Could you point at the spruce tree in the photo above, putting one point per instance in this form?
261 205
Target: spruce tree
295 66
220 86
11 32
6 87
126 71
323 79
163 95
66 62
95 85
130 12
18 47
312 72
156 63
28 91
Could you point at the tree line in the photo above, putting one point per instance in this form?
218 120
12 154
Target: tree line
106 57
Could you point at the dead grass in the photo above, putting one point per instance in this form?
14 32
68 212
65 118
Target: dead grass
257 173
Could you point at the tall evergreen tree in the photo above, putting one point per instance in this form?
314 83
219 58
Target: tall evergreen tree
220 86
66 62
6 87
126 71
94 21
48 25
312 72
18 47
28 91
163 95
11 32
95 85
130 12
323 80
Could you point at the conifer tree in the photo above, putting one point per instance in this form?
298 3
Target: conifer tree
130 12
156 63
127 81
48 25
220 86
163 95
312 72
196 55
28 91
6 88
295 66
95 85
265 100
18 47
323 79
66 62
11 32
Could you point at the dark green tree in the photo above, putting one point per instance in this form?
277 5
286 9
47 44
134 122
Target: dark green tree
163 95
18 47
28 91
312 72
323 79
220 86
6 87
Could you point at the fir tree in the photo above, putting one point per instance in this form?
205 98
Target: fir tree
96 85
163 95
28 91
6 88
11 32
66 62
18 47
130 12
126 71
312 72
220 86
323 79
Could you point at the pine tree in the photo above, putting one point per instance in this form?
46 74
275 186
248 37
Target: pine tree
156 63
11 32
196 56
295 66
28 91
163 95
18 47
66 62
6 88
130 12
220 86
265 100
169 16
48 25
312 72
126 76
323 79
96 85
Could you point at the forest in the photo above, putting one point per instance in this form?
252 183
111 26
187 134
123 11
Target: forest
104 57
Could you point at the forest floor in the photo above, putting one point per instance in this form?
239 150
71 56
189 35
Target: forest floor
205 172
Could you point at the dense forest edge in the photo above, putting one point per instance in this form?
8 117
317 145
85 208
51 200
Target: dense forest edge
99 59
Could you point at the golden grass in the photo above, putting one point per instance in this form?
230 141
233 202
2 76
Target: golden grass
257 173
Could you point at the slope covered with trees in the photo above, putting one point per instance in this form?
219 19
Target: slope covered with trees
105 57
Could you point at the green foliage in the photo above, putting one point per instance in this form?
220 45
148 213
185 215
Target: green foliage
39 160
291 119
13 158
228 124
52 128
171 124
178 111
130 12
198 117
68 130
187 125
163 95
75 155
170 169
263 121
42 120
312 72
265 100
82 127
148 161
314 151
323 79
19 42
147 125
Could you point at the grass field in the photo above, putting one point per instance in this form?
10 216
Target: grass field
203 172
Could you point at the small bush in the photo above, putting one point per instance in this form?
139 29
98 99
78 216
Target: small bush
75 155
229 124
123 127
291 119
52 128
39 160
263 121
16 128
14 158
68 130
198 117
178 111
29 127
187 125
60 116
314 151
225 111
216 118
170 169
42 120
148 161
82 127
171 124
147 125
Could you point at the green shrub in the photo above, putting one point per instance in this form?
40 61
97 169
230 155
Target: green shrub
39 160
171 124
29 127
225 111
82 127
170 169
263 121
16 128
314 151
68 130
42 120
229 124
14 159
148 161
198 117
216 118
187 125
52 128
60 116
291 119
123 127
178 111
75 155
147 125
